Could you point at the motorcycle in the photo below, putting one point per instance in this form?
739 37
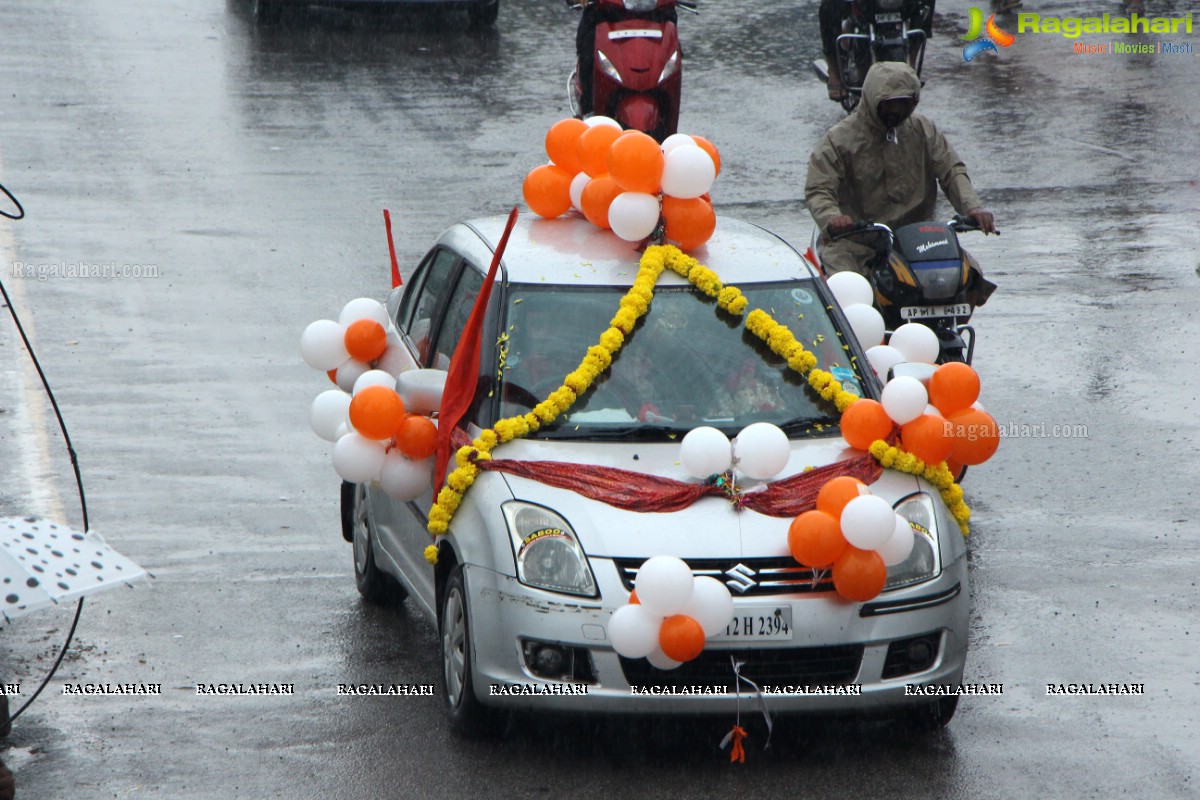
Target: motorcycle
920 274
876 30
637 66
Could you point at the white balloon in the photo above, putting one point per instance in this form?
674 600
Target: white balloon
705 451
634 215
373 377
882 358
711 605
676 140
917 342
329 411
395 359
633 631
904 399
661 660
323 345
688 171
899 545
868 521
866 322
762 450
358 459
404 479
576 190
364 308
664 585
600 119
349 373
344 428
850 288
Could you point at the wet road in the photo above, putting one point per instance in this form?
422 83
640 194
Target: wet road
248 168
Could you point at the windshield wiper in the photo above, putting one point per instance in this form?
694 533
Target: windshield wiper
631 432
806 423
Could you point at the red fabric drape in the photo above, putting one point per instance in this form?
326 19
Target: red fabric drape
636 491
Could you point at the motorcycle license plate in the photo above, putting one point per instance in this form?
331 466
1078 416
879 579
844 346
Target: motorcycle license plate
887 17
925 312
757 623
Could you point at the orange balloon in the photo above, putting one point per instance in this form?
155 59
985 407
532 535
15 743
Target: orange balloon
681 637
562 143
863 422
633 598
976 436
690 222
376 412
332 375
365 339
416 437
837 492
928 437
547 191
635 162
956 468
597 196
859 575
815 539
709 148
953 387
593 148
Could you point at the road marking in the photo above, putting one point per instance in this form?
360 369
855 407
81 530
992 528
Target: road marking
30 424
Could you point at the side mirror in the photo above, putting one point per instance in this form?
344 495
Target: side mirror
421 390
922 372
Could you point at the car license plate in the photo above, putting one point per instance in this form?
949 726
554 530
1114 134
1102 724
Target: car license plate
925 312
887 17
757 623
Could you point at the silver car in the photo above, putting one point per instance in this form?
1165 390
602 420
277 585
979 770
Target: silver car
523 616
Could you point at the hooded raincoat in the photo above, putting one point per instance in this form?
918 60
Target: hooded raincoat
869 172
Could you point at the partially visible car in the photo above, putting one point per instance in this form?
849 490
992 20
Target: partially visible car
529 574
480 12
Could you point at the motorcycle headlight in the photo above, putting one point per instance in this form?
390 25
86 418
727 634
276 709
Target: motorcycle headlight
640 6
670 68
923 562
547 551
607 67
889 5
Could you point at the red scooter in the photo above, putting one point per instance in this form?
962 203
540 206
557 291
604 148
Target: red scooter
637 65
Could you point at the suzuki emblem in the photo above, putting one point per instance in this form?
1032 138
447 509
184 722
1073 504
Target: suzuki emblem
741 578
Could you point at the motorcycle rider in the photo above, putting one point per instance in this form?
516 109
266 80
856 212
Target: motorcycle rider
883 163
593 14
831 15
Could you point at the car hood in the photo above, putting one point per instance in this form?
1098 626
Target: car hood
709 528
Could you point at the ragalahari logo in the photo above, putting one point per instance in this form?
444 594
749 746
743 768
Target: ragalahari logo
994 37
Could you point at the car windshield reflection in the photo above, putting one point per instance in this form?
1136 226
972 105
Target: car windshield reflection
686 364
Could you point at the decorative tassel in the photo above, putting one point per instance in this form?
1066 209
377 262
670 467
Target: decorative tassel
738 752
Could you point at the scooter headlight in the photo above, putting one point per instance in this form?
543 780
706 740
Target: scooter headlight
641 6
670 68
547 552
607 67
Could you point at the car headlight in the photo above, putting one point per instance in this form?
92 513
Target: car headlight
670 68
547 552
607 67
923 562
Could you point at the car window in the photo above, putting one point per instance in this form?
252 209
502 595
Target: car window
685 364
418 313
455 317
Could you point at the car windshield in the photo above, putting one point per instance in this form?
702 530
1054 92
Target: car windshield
686 364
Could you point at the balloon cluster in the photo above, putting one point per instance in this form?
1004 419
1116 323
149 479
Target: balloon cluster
624 181
853 532
855 295
670 614
760 451
374 438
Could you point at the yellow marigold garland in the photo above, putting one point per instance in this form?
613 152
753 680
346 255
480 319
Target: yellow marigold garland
634 305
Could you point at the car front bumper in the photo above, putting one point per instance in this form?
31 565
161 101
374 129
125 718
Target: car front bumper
505 612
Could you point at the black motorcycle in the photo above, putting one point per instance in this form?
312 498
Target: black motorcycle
877 30
920 274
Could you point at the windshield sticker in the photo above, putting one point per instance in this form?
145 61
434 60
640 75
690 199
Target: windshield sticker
802 296
846 377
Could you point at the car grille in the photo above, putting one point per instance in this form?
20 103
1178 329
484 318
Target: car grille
813 666
747 577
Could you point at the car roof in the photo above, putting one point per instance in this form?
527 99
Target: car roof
572 250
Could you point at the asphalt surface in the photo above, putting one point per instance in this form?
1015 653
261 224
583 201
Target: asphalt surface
249 168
